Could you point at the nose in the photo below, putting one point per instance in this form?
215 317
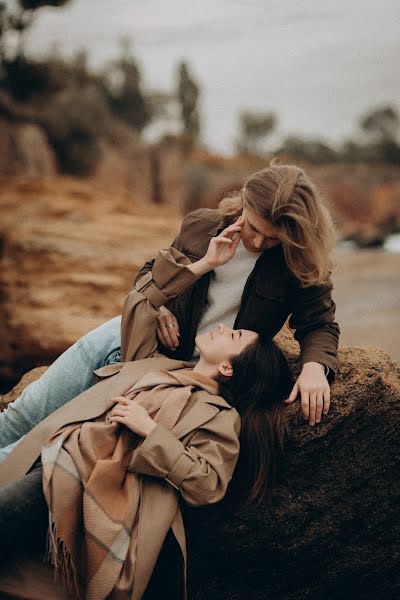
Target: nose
222 328
258 241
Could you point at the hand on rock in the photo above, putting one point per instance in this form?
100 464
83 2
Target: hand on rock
314 390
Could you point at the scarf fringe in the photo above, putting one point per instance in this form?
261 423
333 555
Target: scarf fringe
64 569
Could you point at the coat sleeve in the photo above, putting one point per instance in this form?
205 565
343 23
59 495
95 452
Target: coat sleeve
149 264
200 469
193 238
168 277
313 318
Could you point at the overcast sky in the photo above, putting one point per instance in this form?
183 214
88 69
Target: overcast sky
318 65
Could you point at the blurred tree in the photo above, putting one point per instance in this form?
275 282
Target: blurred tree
160 104
188 93
314 150
383 123
75 122
123 89
382 126
20 20
352 151
254 127
18 75
4 25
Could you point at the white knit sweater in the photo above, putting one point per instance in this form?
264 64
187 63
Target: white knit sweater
225 290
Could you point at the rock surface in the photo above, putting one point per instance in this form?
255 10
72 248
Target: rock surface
331 530
25 151
69 252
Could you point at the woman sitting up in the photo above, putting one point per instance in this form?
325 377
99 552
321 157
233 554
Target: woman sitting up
116 459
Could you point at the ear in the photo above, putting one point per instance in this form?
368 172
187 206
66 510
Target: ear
225 369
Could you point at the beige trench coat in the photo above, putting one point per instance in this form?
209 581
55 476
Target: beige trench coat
196 459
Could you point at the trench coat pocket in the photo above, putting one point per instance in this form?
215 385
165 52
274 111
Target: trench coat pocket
107 371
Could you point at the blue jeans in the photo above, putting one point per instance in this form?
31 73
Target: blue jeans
68 376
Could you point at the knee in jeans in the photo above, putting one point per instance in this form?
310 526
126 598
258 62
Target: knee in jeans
113 357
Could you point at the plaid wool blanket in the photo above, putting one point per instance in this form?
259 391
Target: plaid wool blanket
94 498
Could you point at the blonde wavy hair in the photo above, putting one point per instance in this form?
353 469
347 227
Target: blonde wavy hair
285 196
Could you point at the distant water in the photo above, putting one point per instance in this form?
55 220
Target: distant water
392 244
318 65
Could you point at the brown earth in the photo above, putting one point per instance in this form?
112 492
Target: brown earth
69 252
332 527
70 249
364 197
24 150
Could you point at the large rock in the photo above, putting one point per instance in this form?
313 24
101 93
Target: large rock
25 151
331 530
69 253
125 166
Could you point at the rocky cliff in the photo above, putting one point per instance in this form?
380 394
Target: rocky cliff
69 252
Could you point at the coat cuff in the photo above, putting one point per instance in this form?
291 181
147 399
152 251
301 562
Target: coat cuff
161 454
168 277
329 370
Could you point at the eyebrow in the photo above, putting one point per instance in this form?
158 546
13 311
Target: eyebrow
267 237
240 333
255 228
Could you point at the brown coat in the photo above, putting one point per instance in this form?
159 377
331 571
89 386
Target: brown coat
197 458
272 294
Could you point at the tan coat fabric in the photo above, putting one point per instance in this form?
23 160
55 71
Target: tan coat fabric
196 458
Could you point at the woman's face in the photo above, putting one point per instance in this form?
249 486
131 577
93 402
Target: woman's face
222 343
258 233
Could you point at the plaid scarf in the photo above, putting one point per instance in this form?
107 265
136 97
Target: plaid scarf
94 498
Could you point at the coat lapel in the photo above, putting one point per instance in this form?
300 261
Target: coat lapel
195 418
204 409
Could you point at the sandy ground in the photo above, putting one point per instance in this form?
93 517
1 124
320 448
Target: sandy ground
367 294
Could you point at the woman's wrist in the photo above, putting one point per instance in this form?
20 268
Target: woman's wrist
149 427
200 267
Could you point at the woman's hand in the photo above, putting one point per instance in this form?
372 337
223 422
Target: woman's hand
223 247
168 329
132 415
313 387
220 249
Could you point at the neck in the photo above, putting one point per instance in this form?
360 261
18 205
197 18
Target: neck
206 369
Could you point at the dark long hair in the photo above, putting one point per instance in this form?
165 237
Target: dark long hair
260 382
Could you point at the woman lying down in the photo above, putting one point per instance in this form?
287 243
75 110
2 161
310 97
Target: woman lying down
116 459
